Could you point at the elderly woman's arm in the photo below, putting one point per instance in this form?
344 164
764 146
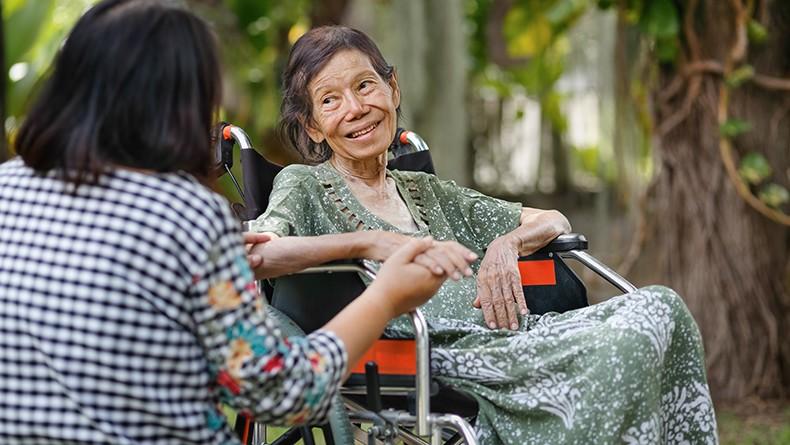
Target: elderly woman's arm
500 294
284 255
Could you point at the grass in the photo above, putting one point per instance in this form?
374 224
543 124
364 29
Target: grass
748 424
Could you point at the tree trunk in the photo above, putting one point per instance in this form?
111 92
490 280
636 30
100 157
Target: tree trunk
728 261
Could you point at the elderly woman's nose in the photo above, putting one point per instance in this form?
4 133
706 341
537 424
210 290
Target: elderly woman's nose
355 107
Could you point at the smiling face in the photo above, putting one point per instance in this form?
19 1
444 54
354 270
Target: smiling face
354 109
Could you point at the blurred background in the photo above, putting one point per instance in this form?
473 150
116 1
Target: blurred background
661 128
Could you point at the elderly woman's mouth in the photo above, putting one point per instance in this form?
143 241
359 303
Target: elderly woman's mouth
362 132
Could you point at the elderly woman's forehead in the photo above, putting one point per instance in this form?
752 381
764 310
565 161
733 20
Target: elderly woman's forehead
344 63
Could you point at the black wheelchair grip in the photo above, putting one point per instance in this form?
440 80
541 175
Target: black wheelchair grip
373 386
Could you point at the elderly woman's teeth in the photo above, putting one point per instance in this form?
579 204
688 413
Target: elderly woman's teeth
359 133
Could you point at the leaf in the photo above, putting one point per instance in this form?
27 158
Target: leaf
660 19
754 168
734 127
551 105
757 32
666 49
774 195
605 4
739 76
526 38
22 26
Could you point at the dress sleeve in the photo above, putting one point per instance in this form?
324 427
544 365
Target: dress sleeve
288 204
480 217
255 369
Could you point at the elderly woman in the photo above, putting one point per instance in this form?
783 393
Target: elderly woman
627 370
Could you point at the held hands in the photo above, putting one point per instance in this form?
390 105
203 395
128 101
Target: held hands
250 240
406 283
444 258
499 291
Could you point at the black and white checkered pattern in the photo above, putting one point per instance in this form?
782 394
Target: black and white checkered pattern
106 333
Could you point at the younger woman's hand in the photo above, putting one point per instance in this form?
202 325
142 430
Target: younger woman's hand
406 283
251 239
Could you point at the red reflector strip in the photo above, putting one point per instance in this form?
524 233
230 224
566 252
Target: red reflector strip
392 356
537 273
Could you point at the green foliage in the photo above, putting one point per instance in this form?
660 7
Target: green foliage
734 127
33 31
740 75
774 195
757 33
754 168
660 19
588 159
24 21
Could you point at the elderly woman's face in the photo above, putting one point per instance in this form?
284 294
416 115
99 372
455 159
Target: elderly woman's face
354 109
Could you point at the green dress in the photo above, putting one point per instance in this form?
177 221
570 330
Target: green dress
629 370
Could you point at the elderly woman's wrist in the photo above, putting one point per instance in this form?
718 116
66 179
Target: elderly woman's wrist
508 241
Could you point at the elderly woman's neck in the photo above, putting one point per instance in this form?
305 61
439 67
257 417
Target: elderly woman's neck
372 172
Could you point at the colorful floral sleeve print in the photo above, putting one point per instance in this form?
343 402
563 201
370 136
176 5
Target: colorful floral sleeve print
254 368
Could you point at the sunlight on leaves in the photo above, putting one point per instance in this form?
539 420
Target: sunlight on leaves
734 127
754 168
774 195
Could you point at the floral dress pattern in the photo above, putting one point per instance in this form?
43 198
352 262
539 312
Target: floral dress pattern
629 370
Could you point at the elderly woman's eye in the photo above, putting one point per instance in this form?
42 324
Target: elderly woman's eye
327 100
364 84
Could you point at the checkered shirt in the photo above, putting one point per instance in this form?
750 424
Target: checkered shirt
127 313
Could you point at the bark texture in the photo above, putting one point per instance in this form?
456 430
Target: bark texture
728 261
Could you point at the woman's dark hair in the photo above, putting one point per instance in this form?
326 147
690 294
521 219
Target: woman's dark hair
136 84
308 57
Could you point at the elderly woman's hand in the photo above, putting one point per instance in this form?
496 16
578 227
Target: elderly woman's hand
443 258
448 258
499 291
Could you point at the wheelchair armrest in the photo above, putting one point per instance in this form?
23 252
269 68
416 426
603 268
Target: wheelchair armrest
565 243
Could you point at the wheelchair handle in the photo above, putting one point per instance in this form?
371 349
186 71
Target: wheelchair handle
237 134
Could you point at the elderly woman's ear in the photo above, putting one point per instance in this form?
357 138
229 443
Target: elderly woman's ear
314 133
393 83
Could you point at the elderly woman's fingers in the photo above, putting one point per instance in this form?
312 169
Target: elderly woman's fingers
501 301
429 263
486 304
518 294
443 257
462 257
510 306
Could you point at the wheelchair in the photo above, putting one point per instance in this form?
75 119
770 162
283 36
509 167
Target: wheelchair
390 394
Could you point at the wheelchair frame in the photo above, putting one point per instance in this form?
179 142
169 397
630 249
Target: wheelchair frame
389 424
